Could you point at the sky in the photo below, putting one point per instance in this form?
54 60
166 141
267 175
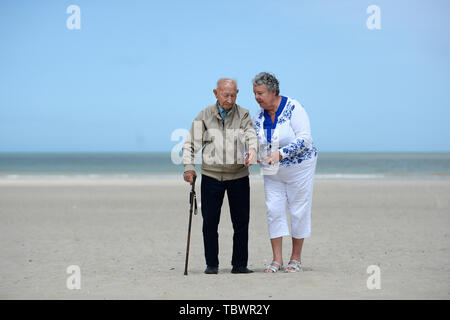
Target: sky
136 71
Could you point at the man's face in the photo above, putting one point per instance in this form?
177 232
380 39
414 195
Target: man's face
264 98
226 94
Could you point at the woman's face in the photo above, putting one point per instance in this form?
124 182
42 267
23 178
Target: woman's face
264 98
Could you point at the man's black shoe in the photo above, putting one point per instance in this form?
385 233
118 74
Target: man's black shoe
211 270
241 270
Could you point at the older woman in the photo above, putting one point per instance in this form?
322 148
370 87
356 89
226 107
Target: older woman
288 163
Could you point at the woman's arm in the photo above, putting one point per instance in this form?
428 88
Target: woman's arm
302 130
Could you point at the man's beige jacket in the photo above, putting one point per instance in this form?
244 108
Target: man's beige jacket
223 143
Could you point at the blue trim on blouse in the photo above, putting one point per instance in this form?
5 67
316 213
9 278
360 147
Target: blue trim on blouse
268 125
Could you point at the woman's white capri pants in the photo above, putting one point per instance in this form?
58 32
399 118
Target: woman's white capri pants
290 187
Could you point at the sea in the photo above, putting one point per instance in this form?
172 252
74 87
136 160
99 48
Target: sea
14 166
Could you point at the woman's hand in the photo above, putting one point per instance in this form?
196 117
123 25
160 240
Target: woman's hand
273 157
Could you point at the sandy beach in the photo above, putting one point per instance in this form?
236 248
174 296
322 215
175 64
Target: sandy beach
129 238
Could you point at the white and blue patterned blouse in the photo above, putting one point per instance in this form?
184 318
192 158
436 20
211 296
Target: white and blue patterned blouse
290 133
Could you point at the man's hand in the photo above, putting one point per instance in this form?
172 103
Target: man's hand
273 157
250 158
189 176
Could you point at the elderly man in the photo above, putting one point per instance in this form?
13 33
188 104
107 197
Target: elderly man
225 132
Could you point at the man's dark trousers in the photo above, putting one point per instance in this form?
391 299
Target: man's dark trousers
212 193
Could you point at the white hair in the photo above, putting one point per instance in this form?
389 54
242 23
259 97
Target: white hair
228 79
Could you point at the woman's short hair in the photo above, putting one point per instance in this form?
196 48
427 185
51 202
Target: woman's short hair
268 80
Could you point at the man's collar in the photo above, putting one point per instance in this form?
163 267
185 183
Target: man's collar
220 109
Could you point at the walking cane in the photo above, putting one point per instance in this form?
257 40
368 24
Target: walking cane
193 203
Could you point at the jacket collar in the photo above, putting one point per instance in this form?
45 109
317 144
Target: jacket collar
230 112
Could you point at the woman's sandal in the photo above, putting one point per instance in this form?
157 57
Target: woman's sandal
294 265
272 268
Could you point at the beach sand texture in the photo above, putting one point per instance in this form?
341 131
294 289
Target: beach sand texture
129 239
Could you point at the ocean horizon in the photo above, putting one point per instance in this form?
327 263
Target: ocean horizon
159 164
